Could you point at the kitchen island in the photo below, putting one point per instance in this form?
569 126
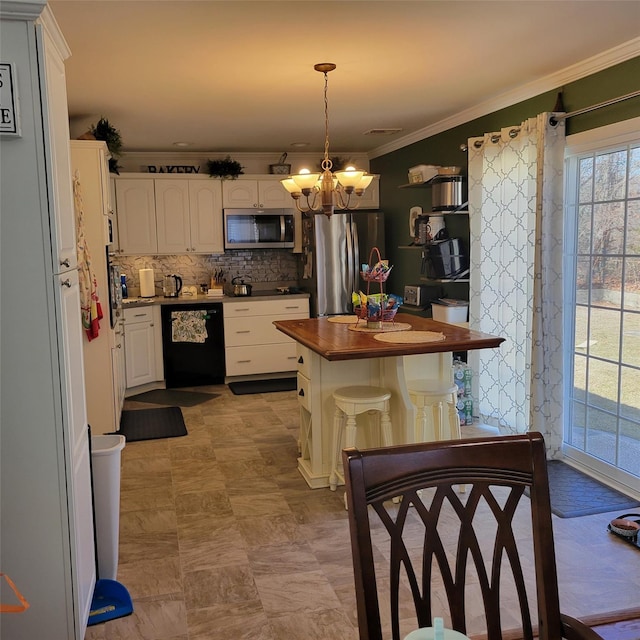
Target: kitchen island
333 354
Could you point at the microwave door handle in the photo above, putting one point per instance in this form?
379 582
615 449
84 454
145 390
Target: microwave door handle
283 236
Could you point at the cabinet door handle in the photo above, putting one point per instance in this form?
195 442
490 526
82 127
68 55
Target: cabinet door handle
65 263
301 393
243 361
291 357
244 309
66 283
300 360
293 307
246 331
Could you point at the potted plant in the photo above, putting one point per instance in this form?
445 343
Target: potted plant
105 131
225 168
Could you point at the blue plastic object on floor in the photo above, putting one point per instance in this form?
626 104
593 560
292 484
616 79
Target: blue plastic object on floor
111 600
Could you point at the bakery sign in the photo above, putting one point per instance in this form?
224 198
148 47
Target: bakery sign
9 116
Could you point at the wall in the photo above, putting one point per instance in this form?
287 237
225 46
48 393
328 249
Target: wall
265 268
444 149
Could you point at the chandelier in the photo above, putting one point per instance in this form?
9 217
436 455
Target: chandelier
323 192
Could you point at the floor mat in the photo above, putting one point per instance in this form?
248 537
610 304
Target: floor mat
150 424
575 494
263 386
174 397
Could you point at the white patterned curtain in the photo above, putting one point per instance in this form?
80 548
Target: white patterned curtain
516 214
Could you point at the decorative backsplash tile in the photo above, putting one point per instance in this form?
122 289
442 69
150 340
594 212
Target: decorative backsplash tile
275 267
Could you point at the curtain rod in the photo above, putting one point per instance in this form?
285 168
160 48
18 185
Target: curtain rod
600 105
578 112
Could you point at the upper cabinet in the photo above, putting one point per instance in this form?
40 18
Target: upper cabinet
370 199
205 215
136 210
58 157
158 216
178 215
262 194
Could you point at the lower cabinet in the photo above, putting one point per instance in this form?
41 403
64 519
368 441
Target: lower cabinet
142 345
252 343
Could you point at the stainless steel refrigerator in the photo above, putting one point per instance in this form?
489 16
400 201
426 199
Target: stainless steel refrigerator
333 251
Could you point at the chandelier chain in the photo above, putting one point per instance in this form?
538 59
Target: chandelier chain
326 162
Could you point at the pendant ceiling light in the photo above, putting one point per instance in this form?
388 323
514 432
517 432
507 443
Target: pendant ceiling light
323 192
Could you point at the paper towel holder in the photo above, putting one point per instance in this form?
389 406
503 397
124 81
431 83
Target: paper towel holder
147 283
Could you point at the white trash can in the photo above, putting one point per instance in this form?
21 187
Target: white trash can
105 462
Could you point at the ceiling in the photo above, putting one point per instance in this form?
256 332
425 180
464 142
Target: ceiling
236 76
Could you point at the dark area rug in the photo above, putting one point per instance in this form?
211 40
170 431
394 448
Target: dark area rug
575 494
174 397
151 424
263 386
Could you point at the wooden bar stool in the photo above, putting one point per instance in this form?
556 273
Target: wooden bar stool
437 417
433 400
350 402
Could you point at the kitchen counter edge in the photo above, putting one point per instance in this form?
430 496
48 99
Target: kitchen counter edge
159 300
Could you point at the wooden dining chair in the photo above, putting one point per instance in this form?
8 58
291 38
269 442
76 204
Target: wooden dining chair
483 560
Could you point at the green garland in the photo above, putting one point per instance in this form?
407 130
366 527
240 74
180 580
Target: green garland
225 168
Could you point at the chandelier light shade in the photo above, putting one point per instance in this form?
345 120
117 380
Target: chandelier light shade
323 192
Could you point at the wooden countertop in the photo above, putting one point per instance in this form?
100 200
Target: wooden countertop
335 341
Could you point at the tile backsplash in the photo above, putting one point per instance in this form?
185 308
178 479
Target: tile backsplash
265 269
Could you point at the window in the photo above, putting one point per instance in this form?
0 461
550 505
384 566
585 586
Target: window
602 297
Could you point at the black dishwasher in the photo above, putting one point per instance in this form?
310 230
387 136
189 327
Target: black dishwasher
193 344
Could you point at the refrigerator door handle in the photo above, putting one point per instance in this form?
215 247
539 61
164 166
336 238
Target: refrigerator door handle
350 256
356 254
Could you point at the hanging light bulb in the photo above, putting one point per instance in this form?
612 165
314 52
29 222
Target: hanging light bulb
326 191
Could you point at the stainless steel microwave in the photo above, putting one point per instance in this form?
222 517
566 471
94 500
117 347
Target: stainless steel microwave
258 228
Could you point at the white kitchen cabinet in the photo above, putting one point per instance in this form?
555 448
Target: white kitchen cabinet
118 368
252 343
114 247
47 526
89 162
142 345
370 199
168 215
249 193
136 211
205 214
172 216
189 216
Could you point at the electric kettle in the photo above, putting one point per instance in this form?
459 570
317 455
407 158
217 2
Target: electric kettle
172 286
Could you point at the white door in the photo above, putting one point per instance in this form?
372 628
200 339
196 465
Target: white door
76 434
272 195
602 301
172 216
140 357
136 211
205 204
239 194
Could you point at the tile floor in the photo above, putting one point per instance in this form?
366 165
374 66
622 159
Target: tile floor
221 538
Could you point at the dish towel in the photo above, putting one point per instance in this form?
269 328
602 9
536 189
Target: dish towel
90 307
188 326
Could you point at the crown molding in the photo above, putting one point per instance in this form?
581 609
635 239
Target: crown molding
610 58
21 9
